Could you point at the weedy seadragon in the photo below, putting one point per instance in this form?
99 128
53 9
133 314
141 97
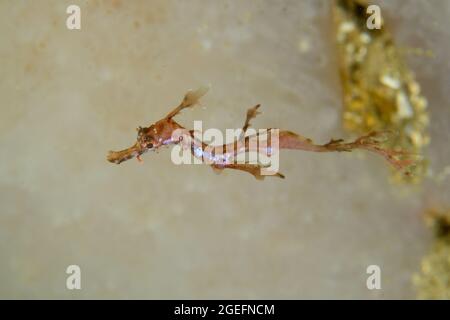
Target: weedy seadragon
161 133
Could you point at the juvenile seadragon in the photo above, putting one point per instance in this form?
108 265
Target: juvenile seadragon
162 133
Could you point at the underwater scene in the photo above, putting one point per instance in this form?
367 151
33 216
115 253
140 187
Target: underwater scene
169 149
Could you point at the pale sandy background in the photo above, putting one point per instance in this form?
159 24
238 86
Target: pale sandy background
161 231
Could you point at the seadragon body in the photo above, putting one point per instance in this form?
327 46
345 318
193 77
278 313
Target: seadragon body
162 133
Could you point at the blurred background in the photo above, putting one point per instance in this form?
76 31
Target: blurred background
156 230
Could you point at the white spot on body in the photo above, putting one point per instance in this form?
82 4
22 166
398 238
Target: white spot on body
198 152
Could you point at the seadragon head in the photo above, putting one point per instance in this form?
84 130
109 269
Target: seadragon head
148 138
144 138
